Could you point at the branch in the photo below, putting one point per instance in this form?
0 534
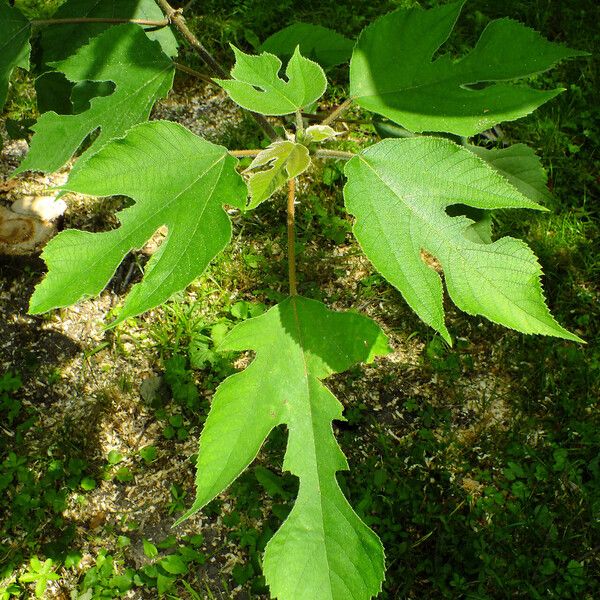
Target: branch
291 236
337 154
190 71
78 20
176 19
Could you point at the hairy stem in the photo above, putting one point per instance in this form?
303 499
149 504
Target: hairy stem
338 154
176 19
78 20
291 235
244 152
190 71
338 112
318 117
299 125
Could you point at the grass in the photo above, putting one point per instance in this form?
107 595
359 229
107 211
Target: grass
478 466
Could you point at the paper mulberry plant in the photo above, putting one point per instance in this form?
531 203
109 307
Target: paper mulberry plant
425 190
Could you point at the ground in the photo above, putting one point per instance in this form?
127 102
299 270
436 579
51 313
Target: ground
477 465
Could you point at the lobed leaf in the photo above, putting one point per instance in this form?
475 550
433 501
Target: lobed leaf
520 166
146 165
323 550
14 45
400 190
60 41
393 72
323 45
142 74
285 160
306 83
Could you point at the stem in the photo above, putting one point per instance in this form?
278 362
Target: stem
190 71
338 154
318 117
291 236
176 19
77 20
338 112
299 125
244 152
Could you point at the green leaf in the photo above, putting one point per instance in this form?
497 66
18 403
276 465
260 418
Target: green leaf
393 73
147 166
150 550
323 45
142 74
88 484
285 160
114 457
14 45
297 344
520 165
399 190
272 483
62 40
148 453
124 475
173 564
164 583
305 83
319 133
122 582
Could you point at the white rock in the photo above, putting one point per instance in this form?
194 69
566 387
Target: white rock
46 208
22 234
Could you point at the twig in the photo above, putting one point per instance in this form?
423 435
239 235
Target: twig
176 19
291 236
338 154
190 71
78 20
338 112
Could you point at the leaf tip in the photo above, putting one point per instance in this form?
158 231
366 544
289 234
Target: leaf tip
565 334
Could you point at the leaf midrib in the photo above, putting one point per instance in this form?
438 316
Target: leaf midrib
313 440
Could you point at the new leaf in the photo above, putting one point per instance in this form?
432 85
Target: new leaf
393 73
142 74
285 160
400 190
323 550
306 83
14 45
147 165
